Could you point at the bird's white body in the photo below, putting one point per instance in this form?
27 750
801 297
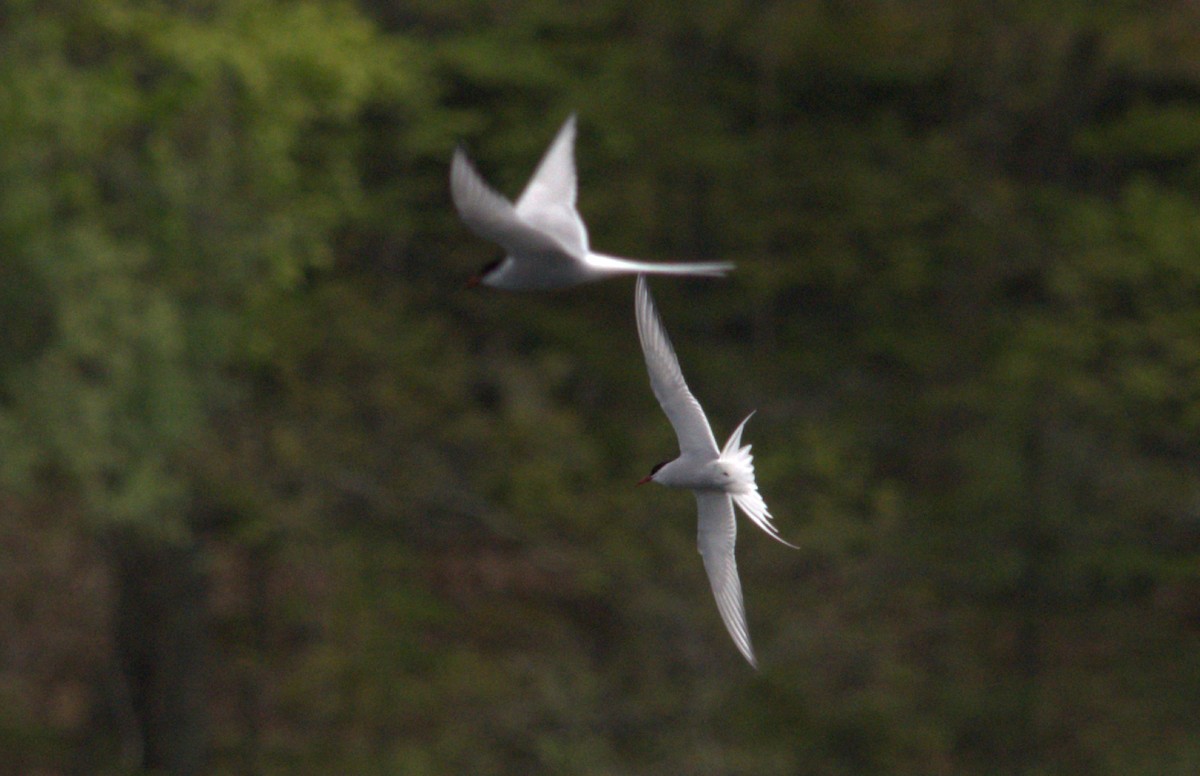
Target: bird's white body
700 472
544 238
719 478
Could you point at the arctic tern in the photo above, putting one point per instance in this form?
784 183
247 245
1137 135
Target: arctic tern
718 478
545 240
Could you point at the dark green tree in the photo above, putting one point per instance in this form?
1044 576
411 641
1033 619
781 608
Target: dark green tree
168 169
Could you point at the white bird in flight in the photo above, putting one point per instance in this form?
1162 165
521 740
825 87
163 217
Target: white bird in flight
545 240
718 478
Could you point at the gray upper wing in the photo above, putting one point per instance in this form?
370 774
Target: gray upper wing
716 537
548 201
666 379
493 217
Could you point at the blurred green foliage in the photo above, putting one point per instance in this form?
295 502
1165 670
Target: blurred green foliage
246 403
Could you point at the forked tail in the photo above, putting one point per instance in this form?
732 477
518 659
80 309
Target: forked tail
750 501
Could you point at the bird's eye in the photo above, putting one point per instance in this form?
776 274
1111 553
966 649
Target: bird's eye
487 268
658 466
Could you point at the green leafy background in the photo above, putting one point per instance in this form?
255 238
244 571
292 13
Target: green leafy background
279 495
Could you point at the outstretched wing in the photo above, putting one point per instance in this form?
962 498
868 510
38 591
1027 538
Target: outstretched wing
493 217
666 379
548 202
716 536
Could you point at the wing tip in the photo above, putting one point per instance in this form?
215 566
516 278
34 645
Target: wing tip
742 642
718 269
569 128
462 172
647 315
459 157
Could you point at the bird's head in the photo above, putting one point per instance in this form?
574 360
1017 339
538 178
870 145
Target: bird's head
482 276
653 472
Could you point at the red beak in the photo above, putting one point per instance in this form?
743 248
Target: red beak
645 479
473 281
